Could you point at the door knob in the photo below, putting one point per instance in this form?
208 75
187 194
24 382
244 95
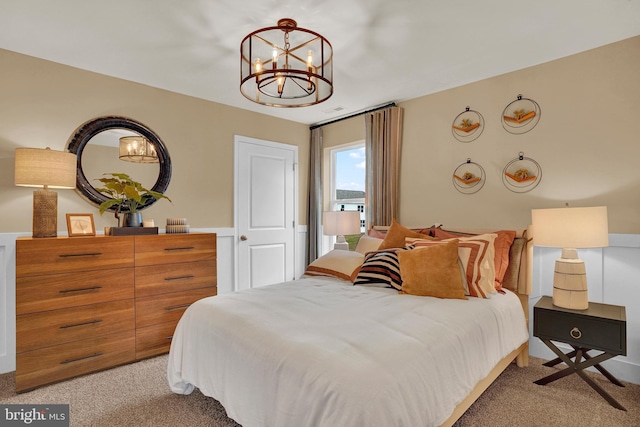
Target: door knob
243 237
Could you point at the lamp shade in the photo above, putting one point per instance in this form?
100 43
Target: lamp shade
43 167
571 227
340 223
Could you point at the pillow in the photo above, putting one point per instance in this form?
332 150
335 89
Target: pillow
502 249
367 244
336 263
432 271
380 269
477 254
396 235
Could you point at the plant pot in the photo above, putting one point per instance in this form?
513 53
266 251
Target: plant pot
131 219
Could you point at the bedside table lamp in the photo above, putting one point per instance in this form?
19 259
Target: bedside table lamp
45 168
340 223
570 228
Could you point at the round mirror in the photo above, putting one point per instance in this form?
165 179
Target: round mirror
116 144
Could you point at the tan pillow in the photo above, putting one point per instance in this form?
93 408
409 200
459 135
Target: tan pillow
368 244
336 263
396 235
477 255
432 271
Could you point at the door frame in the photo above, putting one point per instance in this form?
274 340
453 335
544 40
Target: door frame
237 140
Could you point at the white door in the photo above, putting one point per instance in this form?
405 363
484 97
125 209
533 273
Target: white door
265 211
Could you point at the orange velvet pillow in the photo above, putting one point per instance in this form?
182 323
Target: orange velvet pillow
396 235
432 271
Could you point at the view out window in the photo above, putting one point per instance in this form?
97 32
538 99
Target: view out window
348 179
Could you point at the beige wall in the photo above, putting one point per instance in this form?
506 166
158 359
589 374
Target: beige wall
587 143
42 103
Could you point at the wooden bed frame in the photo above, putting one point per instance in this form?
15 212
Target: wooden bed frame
523 289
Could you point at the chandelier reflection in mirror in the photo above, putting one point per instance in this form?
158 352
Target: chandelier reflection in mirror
286 66
137 149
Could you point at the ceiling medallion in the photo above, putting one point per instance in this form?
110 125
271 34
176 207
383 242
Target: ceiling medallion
286 66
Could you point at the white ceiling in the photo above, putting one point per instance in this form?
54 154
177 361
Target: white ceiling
385 50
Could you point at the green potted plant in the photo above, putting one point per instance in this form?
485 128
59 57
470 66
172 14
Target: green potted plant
127 196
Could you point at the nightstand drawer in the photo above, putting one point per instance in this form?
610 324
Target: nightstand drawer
580 329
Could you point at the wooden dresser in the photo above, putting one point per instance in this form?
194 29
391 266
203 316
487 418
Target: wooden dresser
88 303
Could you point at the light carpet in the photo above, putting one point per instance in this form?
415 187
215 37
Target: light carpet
138 395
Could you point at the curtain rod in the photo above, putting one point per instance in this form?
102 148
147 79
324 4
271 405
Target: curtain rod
339 119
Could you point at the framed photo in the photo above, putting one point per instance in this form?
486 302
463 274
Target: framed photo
80 225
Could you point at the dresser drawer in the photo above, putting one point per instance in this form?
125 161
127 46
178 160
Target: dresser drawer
174 248
582 331
161 279
39 293
51 364
47 256
154 340
167 307
55 327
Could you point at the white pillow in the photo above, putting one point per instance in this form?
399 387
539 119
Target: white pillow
368 244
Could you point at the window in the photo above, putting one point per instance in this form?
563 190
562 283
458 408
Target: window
348 179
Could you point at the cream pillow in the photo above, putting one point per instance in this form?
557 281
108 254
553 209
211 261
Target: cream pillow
368 244
336 263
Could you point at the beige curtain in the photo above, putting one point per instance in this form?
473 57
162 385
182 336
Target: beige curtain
314 219
383 148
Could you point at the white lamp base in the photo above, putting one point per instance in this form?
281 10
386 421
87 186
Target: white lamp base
570 282
341 244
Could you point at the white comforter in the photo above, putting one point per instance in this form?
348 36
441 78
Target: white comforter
319 352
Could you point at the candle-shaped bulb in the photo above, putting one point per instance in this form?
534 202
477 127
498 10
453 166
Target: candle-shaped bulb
310 60
258 65
274 59
280 84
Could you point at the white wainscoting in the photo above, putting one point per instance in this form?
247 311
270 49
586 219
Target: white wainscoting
613 276
8 301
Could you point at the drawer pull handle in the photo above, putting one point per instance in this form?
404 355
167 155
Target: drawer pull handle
93 288
80 255
175 307
170 337
64 362
575 333
73 325
185 248
189 276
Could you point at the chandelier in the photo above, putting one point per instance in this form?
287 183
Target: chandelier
137 149
286 66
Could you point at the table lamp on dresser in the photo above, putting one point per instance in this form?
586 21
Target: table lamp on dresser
46 169
570 229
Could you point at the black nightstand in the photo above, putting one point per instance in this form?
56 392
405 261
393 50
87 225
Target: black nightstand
601 327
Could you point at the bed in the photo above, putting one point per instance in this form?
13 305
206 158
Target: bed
321 351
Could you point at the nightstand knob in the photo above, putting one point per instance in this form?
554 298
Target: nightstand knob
575 333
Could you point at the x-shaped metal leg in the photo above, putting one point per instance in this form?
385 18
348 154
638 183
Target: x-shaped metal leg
578 367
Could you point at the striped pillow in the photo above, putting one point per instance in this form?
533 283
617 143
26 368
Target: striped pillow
477 254
380 269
